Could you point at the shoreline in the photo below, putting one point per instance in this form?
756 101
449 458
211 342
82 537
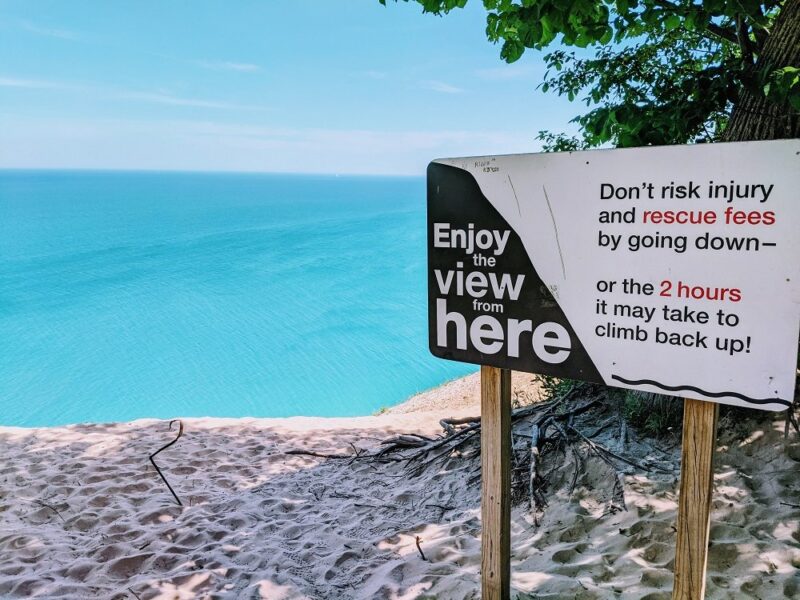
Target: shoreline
457 396
465 387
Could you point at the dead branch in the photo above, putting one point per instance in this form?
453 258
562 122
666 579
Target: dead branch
448 450
356 451
602 427
53 508
318 454
537 430
791 419
475 425
419 547
578 466
618 493
449 424
407 441
135 595
533 473
153 455
443 441
602 450
443 507
345 495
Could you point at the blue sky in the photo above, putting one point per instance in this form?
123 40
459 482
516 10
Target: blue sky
322 86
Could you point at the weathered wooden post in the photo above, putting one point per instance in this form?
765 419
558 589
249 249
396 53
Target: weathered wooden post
496 483
694 507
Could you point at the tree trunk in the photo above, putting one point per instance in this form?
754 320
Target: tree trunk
754 117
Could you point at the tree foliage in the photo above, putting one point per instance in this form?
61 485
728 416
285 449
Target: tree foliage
662 72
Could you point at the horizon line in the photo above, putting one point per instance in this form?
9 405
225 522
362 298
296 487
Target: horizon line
204 171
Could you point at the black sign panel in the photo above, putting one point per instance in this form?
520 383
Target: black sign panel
486 303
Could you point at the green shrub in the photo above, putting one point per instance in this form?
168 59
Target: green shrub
554 387
655 414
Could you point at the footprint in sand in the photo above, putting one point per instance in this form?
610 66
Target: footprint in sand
108 553
722 532
657 578
128 566
567 555
752 585
657 553
791 589
722 557
577 531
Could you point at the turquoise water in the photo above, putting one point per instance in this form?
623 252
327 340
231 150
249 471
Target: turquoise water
129 295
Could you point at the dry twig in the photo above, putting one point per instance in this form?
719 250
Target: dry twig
153 455
53 508
419 547
319 454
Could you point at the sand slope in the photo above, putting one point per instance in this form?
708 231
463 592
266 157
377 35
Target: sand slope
84 515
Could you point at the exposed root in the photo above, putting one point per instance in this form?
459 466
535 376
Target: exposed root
551 431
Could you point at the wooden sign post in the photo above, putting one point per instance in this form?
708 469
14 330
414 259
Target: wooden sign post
694 507
496 483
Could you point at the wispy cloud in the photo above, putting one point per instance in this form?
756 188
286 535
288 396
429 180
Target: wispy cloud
63 34
442 87
508 72
374 74
224 65
28 83
37 142
158 97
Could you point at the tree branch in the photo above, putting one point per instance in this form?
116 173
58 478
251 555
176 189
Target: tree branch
718 31
722 32
761 32
743 36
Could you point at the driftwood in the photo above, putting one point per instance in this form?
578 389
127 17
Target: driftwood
153 455
449 425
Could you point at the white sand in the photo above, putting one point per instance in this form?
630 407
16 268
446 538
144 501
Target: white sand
84 515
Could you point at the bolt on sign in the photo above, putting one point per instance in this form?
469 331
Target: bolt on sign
667 269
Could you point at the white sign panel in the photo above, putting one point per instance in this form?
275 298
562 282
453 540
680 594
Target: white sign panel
669 269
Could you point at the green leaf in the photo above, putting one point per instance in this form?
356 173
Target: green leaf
672 22
511 51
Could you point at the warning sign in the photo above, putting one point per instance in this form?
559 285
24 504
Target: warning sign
670 269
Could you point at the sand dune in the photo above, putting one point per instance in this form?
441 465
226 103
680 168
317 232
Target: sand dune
84 515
